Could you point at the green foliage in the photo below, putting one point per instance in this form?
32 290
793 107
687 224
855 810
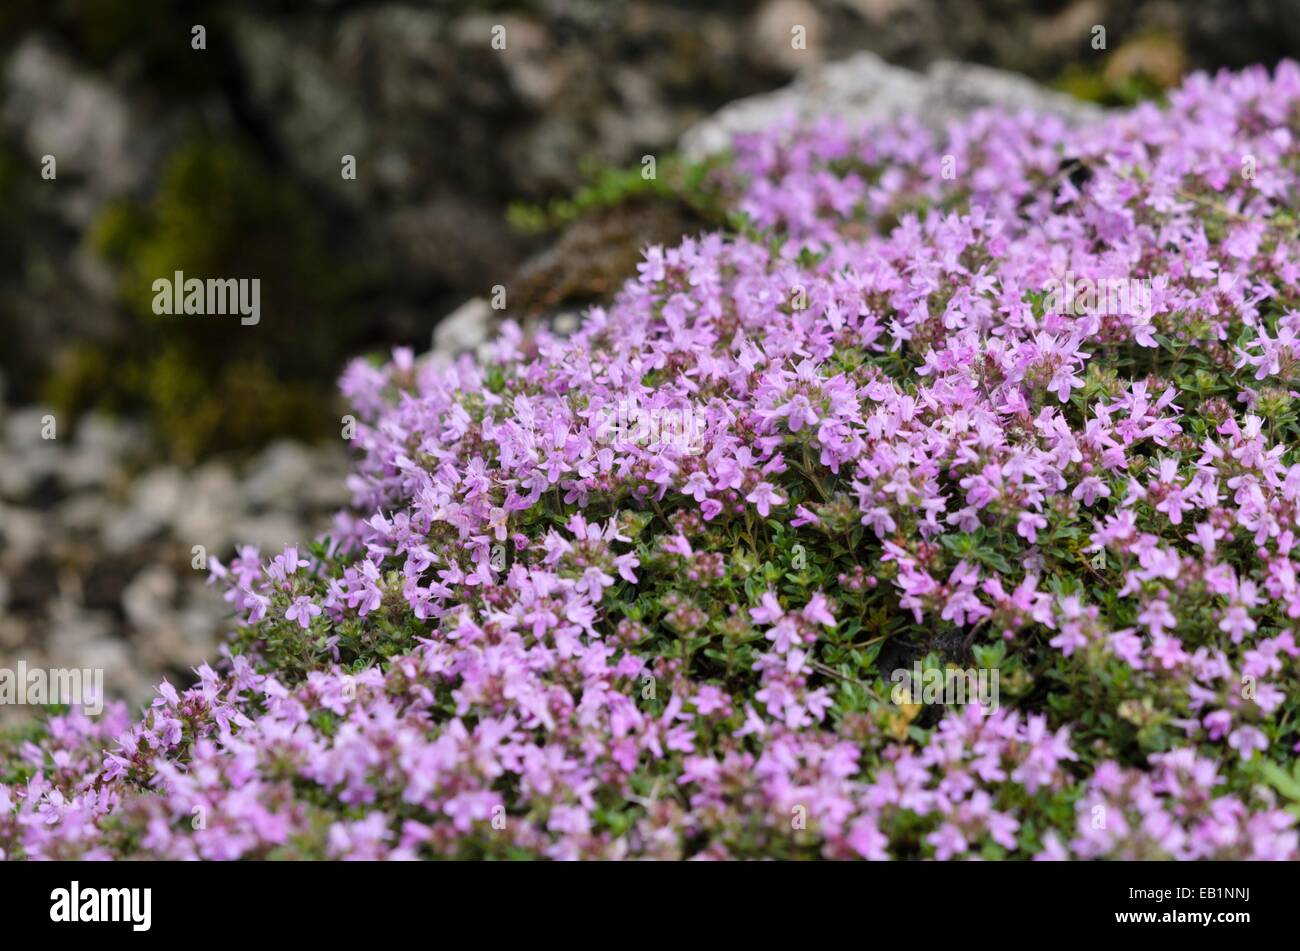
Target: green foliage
675 179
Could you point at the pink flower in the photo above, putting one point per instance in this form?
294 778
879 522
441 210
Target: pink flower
769 610
764 496
302 610
1246 739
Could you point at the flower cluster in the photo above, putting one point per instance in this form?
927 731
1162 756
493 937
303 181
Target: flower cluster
526 637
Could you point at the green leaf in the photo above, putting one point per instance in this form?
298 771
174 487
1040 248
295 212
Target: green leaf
1281 780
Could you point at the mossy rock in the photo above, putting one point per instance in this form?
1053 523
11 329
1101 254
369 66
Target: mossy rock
600 233
211 383
599 251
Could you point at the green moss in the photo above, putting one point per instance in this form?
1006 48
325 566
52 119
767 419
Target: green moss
210 383
1092 85
599 233
1141 68
674 180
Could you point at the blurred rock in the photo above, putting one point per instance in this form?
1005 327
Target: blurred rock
96 545
464 328
790 33
278 473
1066 29
213 501
147 599
79 119
21 533
269 533
865 89
1159 57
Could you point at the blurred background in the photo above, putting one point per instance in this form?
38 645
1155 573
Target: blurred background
474 167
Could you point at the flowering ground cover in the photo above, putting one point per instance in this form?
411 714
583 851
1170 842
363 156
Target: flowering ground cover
1015 397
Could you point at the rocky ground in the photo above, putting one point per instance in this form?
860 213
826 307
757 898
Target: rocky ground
97 544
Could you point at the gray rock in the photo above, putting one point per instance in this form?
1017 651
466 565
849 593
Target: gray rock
22 531
214 501
122 530
147 600
773 28
13 633
317 114
24 427
83 515
269 533
72 630
115 439
565 322
82 121
17 478
535 73
463 329
276 477
86 468
865 89
97 572
190 636
327 491
158 496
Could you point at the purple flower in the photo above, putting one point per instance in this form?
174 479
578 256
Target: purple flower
302 610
